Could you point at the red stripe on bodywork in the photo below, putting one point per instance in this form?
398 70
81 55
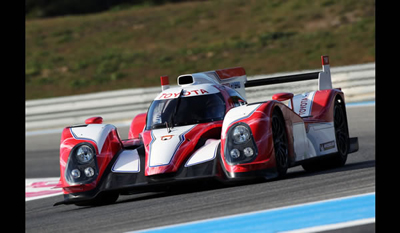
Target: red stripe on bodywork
231 72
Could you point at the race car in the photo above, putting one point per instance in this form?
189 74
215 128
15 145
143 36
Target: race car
205 128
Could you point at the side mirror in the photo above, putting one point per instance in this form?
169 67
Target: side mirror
241 102
282 96
94 120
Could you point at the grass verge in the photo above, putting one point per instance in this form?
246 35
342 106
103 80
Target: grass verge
133 47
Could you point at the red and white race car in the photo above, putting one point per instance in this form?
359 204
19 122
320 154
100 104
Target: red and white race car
204 128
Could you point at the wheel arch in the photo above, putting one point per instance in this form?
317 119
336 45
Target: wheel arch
137 125
323 104
340 97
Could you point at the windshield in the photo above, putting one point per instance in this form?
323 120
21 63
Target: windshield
185 111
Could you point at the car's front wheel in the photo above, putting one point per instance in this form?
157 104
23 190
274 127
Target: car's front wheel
280 143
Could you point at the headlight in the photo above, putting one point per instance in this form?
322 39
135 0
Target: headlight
248 152
89 172
240 146
82 166
240 134
235 153
84 154
75 173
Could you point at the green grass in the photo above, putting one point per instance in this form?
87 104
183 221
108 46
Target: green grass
135 46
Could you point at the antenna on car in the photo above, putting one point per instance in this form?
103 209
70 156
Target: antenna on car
167 126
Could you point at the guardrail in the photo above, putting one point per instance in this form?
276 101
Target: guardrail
356 81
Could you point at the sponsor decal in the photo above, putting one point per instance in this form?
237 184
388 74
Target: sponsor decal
166 137
303 106
303 103
233 85
185 94
327 145
161 153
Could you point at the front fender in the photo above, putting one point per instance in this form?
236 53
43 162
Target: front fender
106 143
257 117
137 126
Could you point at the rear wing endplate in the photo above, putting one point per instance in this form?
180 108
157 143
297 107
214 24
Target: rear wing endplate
324 77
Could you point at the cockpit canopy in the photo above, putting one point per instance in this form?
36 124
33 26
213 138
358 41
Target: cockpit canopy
185 110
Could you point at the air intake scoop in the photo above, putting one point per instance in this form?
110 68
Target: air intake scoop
185 79
232 77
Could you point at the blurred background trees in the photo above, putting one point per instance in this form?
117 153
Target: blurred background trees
52 8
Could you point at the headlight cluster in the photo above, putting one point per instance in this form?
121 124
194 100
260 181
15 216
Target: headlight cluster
240 145
240 134
84 154
82 166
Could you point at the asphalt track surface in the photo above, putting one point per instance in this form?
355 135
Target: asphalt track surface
198 202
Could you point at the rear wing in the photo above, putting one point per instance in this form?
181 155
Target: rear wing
236 78
324 77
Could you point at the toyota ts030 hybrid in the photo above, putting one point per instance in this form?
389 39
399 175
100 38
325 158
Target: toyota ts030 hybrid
205 128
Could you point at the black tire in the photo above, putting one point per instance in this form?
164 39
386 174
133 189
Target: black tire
341 134
342 142
279 136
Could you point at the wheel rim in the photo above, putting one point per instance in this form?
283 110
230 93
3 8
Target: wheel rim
280 142
341 133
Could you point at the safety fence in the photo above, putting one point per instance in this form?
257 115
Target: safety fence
357 83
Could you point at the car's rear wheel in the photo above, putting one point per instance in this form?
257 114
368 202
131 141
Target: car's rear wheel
342 142
280 143
341 134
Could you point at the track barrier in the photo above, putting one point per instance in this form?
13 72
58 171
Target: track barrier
356 81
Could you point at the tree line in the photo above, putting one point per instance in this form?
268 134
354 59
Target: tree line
52 8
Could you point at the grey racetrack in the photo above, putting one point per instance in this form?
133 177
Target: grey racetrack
199 201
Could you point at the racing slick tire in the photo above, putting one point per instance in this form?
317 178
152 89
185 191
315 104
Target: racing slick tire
341 134
279 136
342 142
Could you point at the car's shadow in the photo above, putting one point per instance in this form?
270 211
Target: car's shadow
346 167
206 185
